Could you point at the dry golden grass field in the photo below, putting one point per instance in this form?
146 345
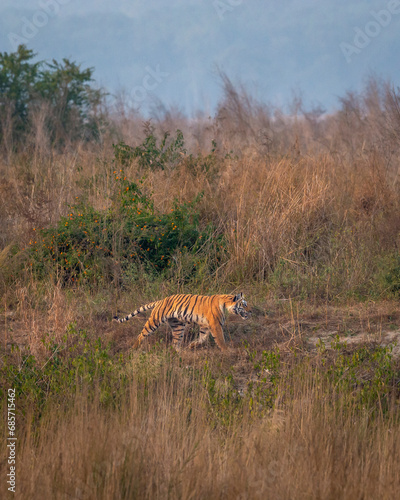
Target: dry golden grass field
299 212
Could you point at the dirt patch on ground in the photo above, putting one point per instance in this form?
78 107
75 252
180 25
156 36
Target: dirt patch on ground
273 323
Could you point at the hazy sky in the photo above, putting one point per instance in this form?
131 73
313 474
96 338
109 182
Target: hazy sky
173 49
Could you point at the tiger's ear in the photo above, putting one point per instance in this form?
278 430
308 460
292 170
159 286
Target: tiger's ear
237 297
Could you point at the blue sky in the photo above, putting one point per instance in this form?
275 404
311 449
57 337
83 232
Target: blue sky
173 50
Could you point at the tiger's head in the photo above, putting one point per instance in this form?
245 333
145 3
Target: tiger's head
240 306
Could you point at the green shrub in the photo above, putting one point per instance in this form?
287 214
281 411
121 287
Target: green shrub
392 277
367 375
69 365
90 245
150 154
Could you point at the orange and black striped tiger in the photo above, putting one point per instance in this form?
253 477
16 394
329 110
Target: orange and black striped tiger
178 310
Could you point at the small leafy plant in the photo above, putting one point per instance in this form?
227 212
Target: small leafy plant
151 154
69 364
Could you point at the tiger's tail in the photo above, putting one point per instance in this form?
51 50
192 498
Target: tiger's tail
147 307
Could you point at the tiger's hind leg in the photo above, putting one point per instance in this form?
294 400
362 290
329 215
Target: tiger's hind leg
203 336
150 326
178 328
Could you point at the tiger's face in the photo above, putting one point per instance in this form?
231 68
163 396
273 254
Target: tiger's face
240 307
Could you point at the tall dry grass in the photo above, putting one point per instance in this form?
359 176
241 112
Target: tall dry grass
165 440
293 220
308 204
303 199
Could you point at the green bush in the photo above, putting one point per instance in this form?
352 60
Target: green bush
392 277
367 374
93 245
150 154
69 365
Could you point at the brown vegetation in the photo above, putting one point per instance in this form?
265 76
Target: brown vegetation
308 208
167 439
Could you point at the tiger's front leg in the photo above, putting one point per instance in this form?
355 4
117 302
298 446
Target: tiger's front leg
218 334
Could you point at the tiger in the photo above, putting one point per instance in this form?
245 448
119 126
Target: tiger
178 310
